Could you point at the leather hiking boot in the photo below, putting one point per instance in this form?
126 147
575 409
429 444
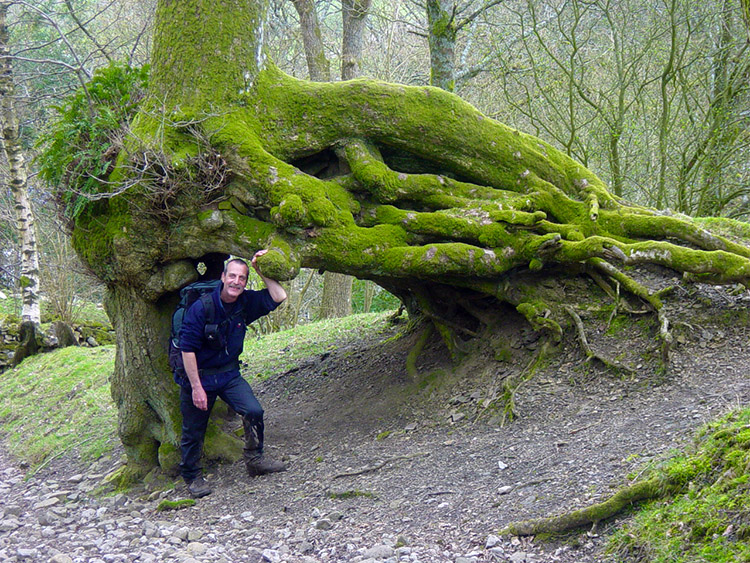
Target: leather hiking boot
261 465
198 488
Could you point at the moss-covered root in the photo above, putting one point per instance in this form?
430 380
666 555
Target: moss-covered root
642 490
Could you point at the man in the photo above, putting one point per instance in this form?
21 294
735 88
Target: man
212 370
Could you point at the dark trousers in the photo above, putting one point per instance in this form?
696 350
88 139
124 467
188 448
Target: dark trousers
239 396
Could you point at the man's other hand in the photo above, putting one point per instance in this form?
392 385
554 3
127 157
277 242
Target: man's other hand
200 400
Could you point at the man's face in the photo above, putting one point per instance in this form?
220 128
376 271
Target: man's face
234 280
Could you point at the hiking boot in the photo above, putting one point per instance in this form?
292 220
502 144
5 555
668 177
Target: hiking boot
198 488
261 465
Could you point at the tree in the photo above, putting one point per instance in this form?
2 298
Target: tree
463 218
337 288
651 95
10 140
445 19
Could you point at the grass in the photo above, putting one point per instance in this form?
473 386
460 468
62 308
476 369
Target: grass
281 351
708 520
85 312
58 401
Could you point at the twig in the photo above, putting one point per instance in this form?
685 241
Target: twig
582 428
49 459
379 465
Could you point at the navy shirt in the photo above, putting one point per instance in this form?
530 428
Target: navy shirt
250 305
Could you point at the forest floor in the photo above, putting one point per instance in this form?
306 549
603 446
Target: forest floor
383 468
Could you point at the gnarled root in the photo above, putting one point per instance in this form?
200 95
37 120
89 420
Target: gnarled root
583 341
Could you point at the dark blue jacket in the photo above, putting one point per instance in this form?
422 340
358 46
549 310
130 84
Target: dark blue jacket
250 305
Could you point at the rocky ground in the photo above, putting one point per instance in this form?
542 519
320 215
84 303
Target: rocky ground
382 469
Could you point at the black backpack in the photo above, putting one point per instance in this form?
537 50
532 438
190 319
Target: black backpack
188 295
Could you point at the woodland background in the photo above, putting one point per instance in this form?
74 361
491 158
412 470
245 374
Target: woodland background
651 96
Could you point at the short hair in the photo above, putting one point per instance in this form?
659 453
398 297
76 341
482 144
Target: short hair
236 261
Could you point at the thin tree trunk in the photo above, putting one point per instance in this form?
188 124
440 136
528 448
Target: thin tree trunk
369 296
337 296
318 65
354 13
337 288
441 37
11 146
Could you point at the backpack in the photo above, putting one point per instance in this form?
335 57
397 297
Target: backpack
188 295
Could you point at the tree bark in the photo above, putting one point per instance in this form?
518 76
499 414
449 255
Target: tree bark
318 64
453 212
11 146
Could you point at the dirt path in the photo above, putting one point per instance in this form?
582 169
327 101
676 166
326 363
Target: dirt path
380 472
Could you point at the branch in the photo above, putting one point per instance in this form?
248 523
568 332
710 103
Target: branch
85 30
470 18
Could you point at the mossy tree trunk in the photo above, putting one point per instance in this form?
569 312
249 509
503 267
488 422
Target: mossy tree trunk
149 416
412 188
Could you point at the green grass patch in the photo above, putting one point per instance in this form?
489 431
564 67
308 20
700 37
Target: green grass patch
10 306
281 351
709 517
57 401
166 505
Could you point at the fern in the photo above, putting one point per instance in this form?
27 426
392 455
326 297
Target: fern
80 147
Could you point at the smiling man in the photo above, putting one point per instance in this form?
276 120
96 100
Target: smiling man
210 354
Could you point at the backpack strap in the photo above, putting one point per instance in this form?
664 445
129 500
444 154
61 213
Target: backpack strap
210 329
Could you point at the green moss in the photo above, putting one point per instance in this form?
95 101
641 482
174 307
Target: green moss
292 211
166 505
503 355
322 212
169 454
707 518
383 435
221 446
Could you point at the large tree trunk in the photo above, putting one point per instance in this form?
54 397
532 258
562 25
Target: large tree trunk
457 214
11 146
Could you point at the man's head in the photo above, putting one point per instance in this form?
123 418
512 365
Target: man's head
234 279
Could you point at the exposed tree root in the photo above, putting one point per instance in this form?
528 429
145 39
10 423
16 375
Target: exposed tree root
642 490
590 354
411 358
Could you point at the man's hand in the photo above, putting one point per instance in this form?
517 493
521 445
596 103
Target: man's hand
191 369
200 400
278 294
255 258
